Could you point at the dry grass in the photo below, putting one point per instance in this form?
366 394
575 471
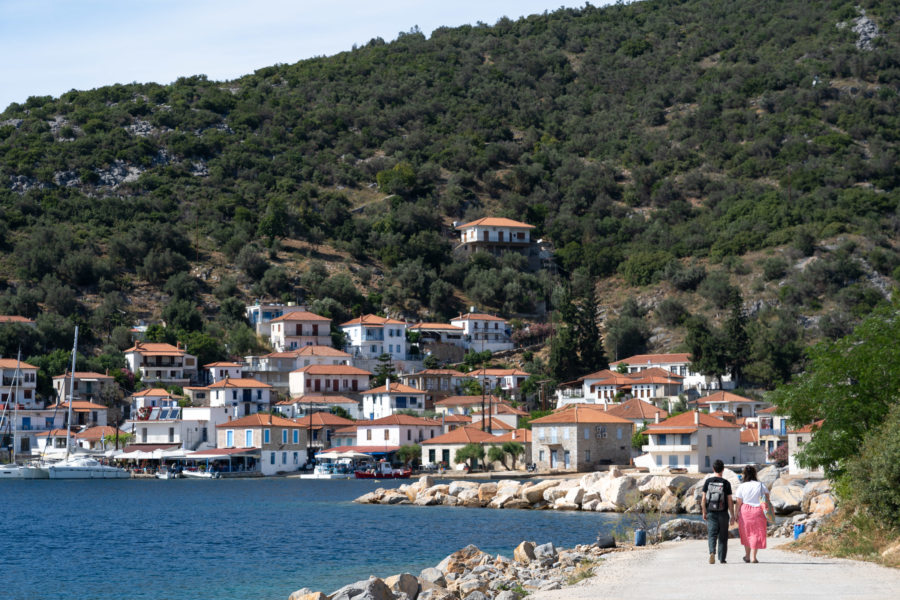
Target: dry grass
854 535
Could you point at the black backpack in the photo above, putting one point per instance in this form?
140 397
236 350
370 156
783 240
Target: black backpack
715 496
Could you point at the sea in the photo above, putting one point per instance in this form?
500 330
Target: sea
241 539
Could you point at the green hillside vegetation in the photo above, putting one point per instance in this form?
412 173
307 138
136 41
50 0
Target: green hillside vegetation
692 156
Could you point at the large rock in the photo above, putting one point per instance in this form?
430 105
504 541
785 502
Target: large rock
486 491
535 493
436 593
607 507
524 553
307 594
575 495
433 576
369 589
425 482
590 505
587 481
517 503
370 498
458 486
461 560
553 494
660 484
547 550
500 500
404 582
821 505
621 491
508 487
690 502
507 595
684 528
469 497
668 503
811 490
891 554
395 498
768 476
563 504
786 498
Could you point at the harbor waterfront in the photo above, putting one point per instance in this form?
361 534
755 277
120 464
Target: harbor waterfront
241 539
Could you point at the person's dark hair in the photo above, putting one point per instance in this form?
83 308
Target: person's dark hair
749 473
718 466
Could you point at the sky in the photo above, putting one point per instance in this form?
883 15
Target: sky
48 47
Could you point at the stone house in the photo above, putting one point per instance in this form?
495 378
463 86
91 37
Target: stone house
581 439
281 442
443 448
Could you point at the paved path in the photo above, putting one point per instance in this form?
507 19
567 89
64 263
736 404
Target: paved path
679 570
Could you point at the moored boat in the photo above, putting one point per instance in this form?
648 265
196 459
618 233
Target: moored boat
383 470
84 467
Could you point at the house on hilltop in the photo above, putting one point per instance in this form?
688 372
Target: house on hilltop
296 329
695 384
162 363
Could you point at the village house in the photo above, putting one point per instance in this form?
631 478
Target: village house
496 235
162 363
87 385
752 450
84 414
443 448
501 411
506 380
25 383
319 428
261 314
51 444
773 429
637 411
443 341
242 397
796 439
691 441
386 400
294 408
219 371
281 442
152 398
275 368
370 336
395 431
466 405
728 402
436 382
519 436
94 438
678 364
581 439
484 332
606 386
330 379
189 428
16 319
492 425
451 422
344 437
296 329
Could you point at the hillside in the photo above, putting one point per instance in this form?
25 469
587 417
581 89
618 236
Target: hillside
673 152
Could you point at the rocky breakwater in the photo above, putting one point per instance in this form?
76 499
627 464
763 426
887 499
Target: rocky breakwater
470 574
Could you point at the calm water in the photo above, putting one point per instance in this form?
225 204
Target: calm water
239 539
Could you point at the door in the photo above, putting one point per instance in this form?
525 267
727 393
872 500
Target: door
566 459
334 385
315 329
318 385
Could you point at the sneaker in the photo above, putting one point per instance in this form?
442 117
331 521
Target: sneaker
723 562
712 559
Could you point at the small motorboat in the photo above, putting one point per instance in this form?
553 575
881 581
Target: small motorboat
188 474
383 470
166 472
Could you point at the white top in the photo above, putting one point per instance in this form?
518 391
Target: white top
751 492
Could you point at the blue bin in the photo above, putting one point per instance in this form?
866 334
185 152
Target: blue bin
798 529
640 537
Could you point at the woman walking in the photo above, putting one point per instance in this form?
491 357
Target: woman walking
751 517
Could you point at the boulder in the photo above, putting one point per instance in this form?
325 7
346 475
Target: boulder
690 502
469 497
574 495
587 481
684 528
517 503
441 488
470 586
391 498
426 499
508 487
811 490
436 593
821 505
553 494
768 476
507 595
524 553
891 554
369 589
456 487
547 550
731 476
620 490
590 496
606 541
476 595
660 484
535 493
614 471
461 560
668 503
607 507
786 498
370 498
486 491
433 576
307 594
404 582
499 501
563 504
590 504
425 482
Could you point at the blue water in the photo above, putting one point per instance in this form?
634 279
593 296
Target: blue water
239 539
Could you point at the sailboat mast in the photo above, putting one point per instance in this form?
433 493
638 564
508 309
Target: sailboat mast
15 392
71 394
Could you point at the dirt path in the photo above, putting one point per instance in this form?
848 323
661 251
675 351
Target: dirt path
679 570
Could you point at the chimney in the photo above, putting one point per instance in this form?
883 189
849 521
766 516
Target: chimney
656 417
696 417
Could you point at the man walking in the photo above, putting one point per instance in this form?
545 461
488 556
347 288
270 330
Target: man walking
718 511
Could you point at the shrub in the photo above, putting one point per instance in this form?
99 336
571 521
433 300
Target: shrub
718 289
774 268
779 456
645 267
873 474
671 312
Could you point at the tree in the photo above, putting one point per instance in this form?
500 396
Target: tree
496 454
639 438
851 384
706 348
735 341
577 348
384 371
340 411
470 454
408 455
514 450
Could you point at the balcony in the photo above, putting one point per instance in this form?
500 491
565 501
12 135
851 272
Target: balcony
670 448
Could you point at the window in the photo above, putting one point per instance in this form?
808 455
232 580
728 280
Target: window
540 433
272 458
144 434
587 456
296 438
687 460
229 438
409 434
431 455
248 438
709 441
296 458
387 434
368 434
259 394
601 431
618 433
587 434
673 460
541 455
284 436
266 435
685 439
661 439
284 458
171 434
658 460
706 462
565 433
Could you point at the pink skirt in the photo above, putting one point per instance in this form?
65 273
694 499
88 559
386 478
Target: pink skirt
753 526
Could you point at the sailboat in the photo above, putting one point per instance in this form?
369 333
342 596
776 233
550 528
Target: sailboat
13 470
80 467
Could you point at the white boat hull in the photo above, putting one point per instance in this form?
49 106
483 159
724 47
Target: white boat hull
326 476
23 472
85 468
199 475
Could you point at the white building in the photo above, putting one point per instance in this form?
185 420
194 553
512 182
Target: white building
332 379
443 448
507 380
189 428
260 315
300 328
484 332
396 430
281 442
738 406
606 386
162 363
795 441
275 368
224 370
679 364
88 385
388 399
152 398
294 408
495 235
691 441
25 383
439 333
370 336
242 397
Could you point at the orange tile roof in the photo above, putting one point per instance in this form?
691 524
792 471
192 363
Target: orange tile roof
462 435
395 388
522 436
223 364
772 410
95 434
14 319
476 317
749 436
456 419
643 359
319 399
581 414
435 326
450 372
52 432
84 375
300 315
331 370
155 349
468 400
495 222
494 424
687 420
10 363
322 419
497 372
346 430
152 392
315 350
238 382
400 420
502 408
260 420
723 396
635 408
811 428
372 321
79 405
